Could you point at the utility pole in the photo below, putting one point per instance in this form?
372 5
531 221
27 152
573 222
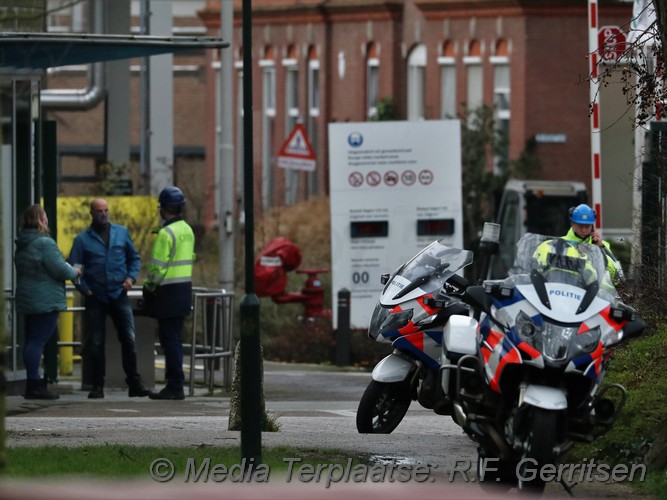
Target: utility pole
225 156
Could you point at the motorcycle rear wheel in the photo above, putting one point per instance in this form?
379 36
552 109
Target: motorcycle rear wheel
382 407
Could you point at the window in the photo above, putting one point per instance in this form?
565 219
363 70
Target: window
268 66
473 62
501 100
447 64
312 124
291 118
238 65
65 16
416 69
372 81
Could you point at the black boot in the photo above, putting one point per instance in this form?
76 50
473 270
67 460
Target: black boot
36 389
97 392
169 392
137 388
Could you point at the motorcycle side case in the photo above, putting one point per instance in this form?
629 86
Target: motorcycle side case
460 336
393 368
458 339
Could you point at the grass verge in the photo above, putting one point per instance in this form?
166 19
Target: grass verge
638 436
137 462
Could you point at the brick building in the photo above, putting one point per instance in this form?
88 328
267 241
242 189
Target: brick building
322 61
328 61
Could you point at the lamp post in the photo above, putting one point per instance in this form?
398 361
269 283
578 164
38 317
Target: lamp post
251 410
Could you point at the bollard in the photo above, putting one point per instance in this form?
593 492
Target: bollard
66 334
343 332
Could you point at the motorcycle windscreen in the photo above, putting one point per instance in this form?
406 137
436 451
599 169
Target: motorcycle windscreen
425 273
564 302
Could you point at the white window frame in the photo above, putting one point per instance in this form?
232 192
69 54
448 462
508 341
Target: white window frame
501 94
268 67
474 84
372 86
312 124
314 88
291 119
447 87
416 82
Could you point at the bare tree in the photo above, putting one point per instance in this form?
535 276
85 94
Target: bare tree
643 61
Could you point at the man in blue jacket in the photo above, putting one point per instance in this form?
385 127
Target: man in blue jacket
110 264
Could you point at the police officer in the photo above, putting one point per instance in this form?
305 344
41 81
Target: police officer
167 290
565 259
582 230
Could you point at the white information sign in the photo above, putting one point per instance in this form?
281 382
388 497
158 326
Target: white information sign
395 187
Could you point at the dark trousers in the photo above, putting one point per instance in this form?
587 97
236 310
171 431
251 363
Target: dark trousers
95 317
38 330
171 340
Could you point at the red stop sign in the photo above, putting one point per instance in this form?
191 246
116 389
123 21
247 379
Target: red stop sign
611 43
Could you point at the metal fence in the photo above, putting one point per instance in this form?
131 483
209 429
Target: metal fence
211 335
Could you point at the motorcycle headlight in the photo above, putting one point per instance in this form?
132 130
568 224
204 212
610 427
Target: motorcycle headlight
588 341
396 321
556 341
526 327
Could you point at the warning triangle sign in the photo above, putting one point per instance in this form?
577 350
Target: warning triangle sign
296 152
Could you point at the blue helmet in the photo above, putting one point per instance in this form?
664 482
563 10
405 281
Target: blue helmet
171 197
582 214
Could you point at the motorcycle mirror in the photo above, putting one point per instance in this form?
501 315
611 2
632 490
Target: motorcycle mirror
436 303
490 233
498 289
384 278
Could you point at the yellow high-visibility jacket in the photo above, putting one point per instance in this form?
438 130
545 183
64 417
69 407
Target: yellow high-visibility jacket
168 287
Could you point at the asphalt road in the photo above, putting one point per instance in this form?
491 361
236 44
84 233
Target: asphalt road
314 406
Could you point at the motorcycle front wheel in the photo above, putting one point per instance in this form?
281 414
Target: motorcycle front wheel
496 474
383 406
542 440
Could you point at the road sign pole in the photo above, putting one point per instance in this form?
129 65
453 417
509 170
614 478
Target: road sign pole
594 93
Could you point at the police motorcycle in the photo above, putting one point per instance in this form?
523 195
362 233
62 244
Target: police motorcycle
408 317
526 380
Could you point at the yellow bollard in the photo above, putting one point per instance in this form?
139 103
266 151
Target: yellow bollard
66 334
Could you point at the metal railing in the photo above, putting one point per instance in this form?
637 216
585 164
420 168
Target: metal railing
212 322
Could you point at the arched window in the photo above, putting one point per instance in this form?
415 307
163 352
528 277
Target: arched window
290 64
372 80
501 98
268 67
474 91
447 62
313 115
416 71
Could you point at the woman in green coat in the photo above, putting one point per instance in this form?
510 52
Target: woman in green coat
40 292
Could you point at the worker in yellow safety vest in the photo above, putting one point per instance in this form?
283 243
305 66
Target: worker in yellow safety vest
582 230
167 290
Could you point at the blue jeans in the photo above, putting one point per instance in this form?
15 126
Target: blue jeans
38 331
95 317
171 340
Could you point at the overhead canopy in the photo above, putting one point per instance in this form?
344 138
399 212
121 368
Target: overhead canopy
25 52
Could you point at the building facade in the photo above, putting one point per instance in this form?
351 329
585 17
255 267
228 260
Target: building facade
316 62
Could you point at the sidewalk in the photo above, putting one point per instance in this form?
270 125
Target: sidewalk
315 407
